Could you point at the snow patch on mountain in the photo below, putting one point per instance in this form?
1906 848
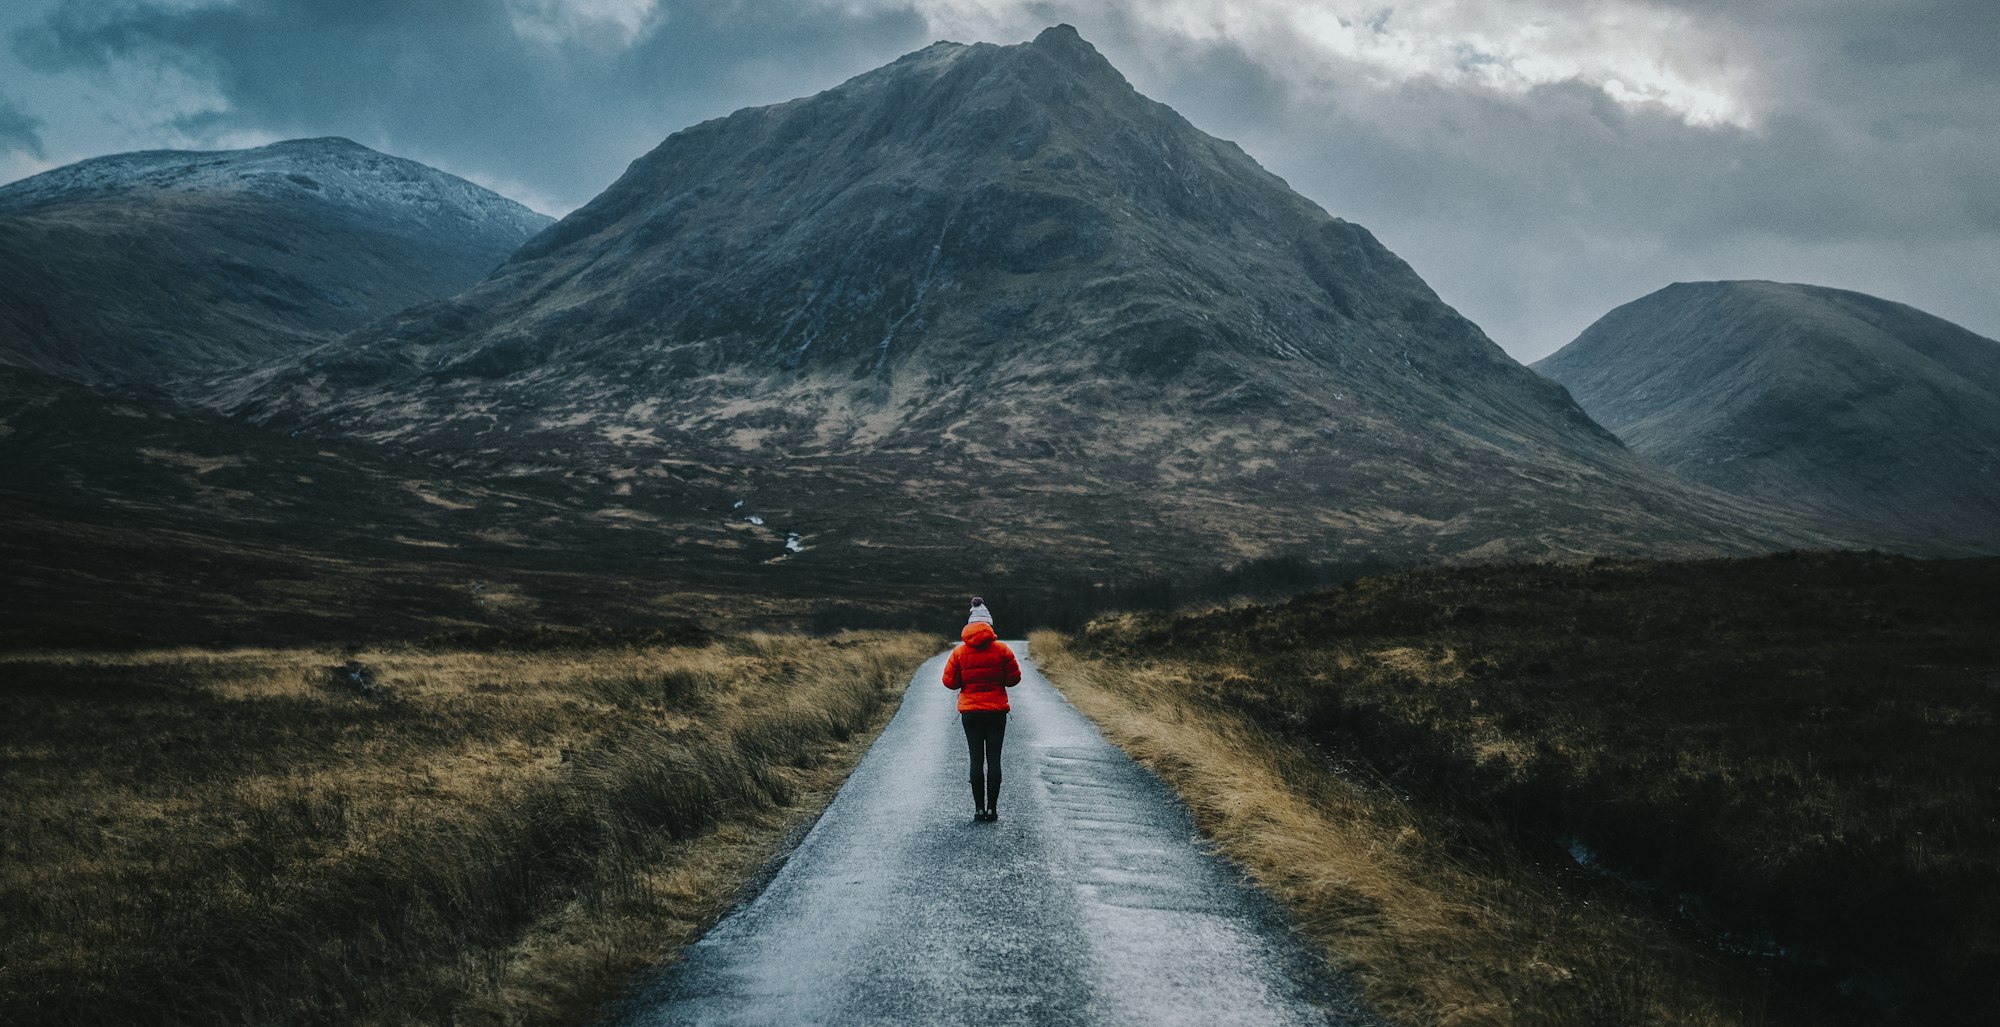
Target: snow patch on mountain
333 171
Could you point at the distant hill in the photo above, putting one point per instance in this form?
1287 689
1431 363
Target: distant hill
1879 422
989 302
146 266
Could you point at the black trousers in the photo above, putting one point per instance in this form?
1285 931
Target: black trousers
985 730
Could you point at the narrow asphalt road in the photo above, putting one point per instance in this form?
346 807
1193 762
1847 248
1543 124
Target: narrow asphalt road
1091 902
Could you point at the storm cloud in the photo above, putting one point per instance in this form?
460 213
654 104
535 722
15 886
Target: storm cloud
1538 161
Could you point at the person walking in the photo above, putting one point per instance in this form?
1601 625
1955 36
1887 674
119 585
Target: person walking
981 670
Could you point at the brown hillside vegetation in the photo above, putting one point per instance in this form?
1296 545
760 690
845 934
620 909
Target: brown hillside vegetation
411 835
1714 792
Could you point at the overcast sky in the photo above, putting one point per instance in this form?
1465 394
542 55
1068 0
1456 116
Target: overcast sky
1537 161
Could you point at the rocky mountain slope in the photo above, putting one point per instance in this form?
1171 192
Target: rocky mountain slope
985 302
129 518
1878 421
154 265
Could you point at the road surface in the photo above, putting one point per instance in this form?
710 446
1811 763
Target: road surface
1091 902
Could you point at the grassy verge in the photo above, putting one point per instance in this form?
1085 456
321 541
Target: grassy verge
405 835
1632 792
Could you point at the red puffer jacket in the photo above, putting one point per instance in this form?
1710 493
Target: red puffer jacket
982 670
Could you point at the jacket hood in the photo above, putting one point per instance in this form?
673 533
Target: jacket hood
978 635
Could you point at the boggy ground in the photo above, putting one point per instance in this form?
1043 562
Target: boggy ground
401 835
1637 792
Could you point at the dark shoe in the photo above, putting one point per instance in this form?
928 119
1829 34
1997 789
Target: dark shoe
979 816
987 815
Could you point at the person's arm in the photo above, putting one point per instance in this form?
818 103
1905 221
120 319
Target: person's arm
1013 666
952 676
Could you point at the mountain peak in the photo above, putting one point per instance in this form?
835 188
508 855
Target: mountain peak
1064 39
1062 44
1034 169
1048 66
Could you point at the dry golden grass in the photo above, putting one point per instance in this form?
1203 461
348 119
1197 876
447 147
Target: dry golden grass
1431 934
455 837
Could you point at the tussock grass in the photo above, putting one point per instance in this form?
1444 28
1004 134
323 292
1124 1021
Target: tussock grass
402 835
1430 935
1676 792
